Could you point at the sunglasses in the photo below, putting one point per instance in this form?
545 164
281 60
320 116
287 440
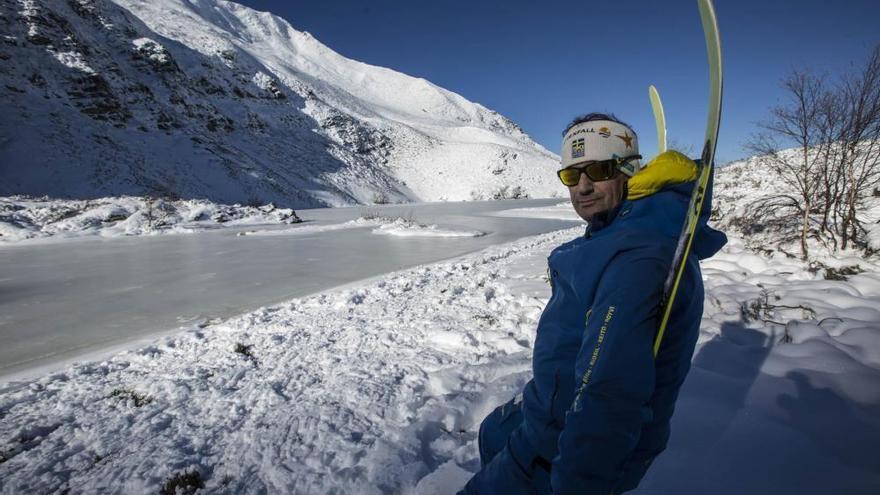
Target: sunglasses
597 171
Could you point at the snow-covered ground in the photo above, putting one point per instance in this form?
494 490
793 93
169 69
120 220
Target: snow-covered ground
380 388
23 217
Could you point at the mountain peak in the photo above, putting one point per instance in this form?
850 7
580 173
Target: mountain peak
211 99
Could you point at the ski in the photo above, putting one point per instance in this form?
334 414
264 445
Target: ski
713 48
659 118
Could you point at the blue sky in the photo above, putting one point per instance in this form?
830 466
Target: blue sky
542 63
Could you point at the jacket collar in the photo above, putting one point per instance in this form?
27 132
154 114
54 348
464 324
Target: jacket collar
602 219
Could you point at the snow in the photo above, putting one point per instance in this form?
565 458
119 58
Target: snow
401 227
560 211
73 60
262 80
25 218
152 50
302 230
380 387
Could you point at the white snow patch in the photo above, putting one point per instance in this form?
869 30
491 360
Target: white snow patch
151 49
405 228
74 60
561 211
401 227
263 81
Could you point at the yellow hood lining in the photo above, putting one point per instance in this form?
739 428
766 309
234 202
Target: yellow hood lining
670 167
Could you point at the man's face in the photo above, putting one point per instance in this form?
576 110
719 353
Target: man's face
589 198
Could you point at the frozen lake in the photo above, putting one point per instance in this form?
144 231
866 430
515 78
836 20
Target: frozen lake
74 299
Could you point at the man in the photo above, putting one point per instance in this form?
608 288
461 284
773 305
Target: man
597 410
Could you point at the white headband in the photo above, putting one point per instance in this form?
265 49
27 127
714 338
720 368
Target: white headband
600 140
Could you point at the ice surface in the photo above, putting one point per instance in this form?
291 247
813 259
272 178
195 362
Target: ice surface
75 295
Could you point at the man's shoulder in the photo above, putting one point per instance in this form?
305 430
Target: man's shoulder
656 218
565 246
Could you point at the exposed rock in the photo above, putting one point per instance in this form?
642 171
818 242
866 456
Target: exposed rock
155 54
94 97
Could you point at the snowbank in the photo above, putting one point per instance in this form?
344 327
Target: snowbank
401 227
22 217
560 211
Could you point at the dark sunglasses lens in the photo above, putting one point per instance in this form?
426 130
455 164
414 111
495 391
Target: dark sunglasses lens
596 172
570 176
600 171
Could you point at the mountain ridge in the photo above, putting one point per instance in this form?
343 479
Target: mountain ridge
211 99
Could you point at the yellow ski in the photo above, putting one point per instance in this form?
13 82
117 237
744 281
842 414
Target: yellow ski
713 48
659 118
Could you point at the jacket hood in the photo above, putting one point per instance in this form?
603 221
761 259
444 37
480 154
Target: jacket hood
669 172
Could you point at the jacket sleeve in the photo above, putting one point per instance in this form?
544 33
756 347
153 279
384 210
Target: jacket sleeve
614 376
503 475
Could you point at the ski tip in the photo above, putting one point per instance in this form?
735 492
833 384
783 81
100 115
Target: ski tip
710 25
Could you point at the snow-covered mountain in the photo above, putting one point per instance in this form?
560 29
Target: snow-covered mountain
210 99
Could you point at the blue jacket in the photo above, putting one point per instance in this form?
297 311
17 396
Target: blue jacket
597 410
